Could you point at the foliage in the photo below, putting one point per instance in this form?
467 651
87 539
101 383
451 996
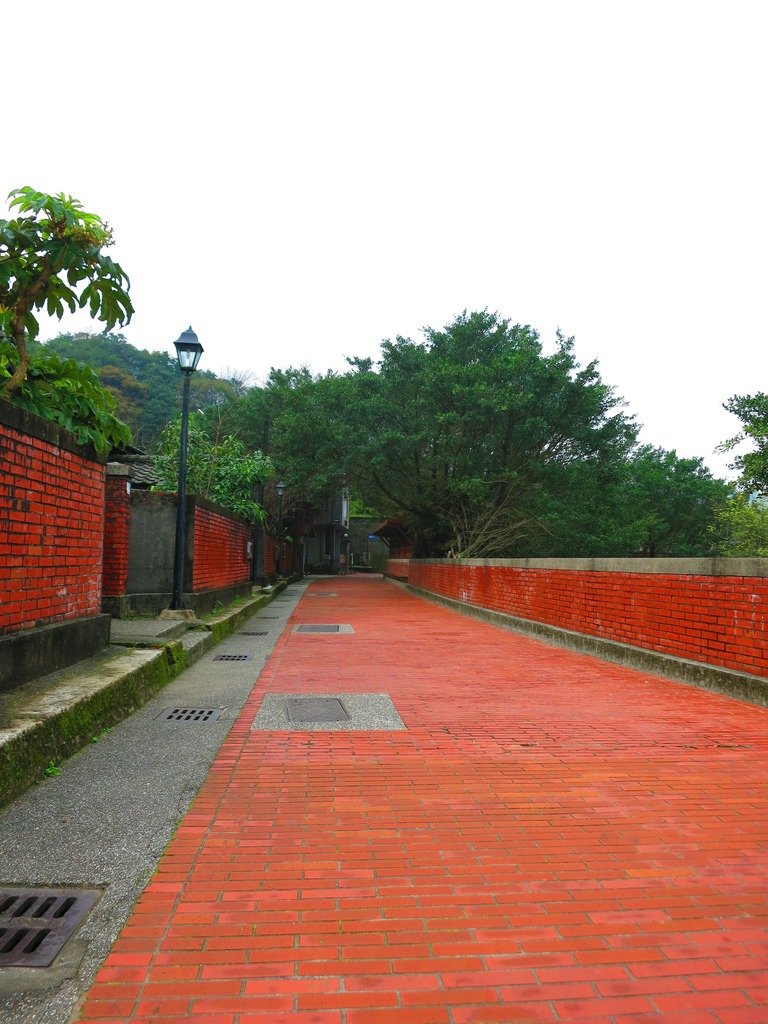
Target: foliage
484 445
741 528
455 434
752 466
218 468
651 503
51 257
146 385
69 394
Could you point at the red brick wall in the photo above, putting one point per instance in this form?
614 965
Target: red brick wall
51 524
398 567
716 619
117 533
220 550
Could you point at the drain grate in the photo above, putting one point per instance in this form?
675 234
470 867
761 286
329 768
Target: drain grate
189 714
233 657
253 632
316 709
35 923
317 629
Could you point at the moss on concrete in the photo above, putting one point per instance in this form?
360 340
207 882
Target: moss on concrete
62 714
51 737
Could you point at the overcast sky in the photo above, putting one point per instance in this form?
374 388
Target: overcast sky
298 180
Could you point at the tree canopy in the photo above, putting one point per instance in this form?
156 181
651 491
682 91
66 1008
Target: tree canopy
484 445
752 465
220 468
51 257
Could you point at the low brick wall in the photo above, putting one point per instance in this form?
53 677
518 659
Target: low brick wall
140 544
220 557
713 611
398 568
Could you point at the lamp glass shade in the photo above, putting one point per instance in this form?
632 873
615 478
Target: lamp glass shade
280 487
188 351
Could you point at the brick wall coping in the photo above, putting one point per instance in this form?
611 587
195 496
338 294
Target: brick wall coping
659 566
211 506
45 430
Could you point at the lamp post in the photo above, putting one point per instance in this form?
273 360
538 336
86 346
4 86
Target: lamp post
188 352
280 488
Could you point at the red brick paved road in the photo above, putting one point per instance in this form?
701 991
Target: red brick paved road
553 838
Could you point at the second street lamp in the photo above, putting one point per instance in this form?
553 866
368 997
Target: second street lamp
188 352
280 488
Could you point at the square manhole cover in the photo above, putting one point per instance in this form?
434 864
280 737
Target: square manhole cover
189 714
334 712
318 628
316 709
36 923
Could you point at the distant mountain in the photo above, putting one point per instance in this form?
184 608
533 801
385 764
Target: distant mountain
146 385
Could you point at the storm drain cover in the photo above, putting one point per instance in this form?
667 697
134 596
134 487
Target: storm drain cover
331 594
254 632
233 657
316 628
316 709
190 714
35 923
331 712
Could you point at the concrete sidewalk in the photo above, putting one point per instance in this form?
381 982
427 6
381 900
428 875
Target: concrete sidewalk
105 820
549 838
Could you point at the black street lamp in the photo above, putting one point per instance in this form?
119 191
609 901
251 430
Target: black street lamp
280 488
188 351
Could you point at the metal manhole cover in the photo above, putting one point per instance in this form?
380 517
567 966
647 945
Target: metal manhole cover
189 714
317 629
254 632
35 923
316 709
233 657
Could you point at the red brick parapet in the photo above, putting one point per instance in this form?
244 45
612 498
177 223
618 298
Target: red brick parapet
713 611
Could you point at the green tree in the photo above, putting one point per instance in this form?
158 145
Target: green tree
752 466
740 529
220 469
457 434
51 257
68 393
651 503
146 385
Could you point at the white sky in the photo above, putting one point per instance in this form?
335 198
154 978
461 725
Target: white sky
299 180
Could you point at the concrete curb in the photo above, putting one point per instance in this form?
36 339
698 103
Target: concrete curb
740 685
50 719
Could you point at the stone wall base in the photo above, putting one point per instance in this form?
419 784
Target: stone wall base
31 653
201 602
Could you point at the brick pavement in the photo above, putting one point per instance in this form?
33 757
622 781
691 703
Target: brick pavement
553 838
